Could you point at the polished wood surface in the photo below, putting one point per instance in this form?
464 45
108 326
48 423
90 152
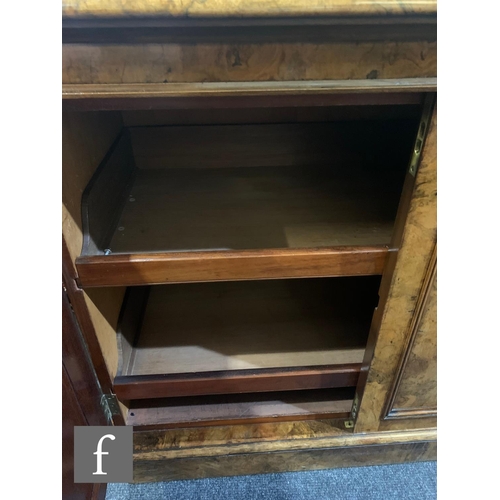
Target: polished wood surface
211 219
236 382
244 8
148 468
217 96
72 416
377 92
415 390
270 447
400 298
246 63
148 56
241 409
264 437
81 397
151 268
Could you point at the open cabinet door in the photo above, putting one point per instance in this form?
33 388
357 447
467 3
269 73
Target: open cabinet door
81 402
397 388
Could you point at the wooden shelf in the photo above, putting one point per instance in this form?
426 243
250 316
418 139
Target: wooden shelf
258 201
237 337
241 408
140 269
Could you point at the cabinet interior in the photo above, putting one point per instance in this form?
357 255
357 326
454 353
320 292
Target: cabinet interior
185 227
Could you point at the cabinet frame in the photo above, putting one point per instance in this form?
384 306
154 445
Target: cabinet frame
295 445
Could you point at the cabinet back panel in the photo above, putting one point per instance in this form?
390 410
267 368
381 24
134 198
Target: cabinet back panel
232 116
267 145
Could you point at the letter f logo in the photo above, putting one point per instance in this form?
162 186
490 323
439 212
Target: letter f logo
100 453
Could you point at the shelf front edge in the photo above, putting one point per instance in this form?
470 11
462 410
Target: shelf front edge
130 387
185 267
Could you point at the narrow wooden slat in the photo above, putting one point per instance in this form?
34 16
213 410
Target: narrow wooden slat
267 147
240 409
236 382
245 94
310 87
150 418
157 268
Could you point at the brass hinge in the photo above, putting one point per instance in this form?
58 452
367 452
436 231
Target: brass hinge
422 131
349 424
110 406
355 406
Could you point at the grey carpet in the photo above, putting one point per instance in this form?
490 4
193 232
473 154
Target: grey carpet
412 481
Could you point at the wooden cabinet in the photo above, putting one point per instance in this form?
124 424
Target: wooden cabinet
249 237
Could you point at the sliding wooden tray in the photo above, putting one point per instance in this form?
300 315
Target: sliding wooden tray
238 202
241 408
243 337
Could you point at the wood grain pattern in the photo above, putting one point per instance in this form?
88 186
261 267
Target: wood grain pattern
216 96
268 62
72 416
183 267
233 326
410 269
415 391
422 421
264 437
244 8
385 285
236 382
215 440
216 450
363 92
